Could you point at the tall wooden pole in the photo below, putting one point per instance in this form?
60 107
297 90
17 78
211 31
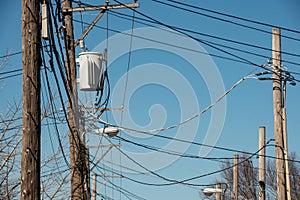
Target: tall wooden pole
85 154
285 143
262 161
218 194
31 111
80 185
94 190
79 172
235 177
277 103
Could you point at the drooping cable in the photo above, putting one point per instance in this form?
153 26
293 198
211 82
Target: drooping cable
51 104
11 54
153 23
186 181
174 45
174 153
220 19
237 17
197 39
59 56
55 124
126 80
186 120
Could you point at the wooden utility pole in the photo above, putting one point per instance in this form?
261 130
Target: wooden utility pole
278 122
262 161
235 177
79 171
94 190
286 160
79 161
31 111
285 143
218 194
85 154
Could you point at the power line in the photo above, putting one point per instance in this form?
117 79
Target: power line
50 96
174 45
127 73
142 21
185 181
149 175
216 37
217 18
186 120
197 39
204 42
227 46
128 64
11 71
152 132
236 17
10 76
125 192
11 54
173 182
58 56
152 176
244 61
167 44
196 143
183 155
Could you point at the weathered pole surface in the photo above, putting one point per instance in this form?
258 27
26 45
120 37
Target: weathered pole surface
278 123
262 161
31 111
79 171
236 177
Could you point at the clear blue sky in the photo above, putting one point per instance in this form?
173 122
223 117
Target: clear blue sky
248 106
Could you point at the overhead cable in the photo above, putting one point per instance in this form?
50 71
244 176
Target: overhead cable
220 19
182 122
186 181
11 54
236 17
142 21
197 39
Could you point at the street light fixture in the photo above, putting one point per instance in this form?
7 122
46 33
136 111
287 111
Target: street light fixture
211 191
110 131
217 190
